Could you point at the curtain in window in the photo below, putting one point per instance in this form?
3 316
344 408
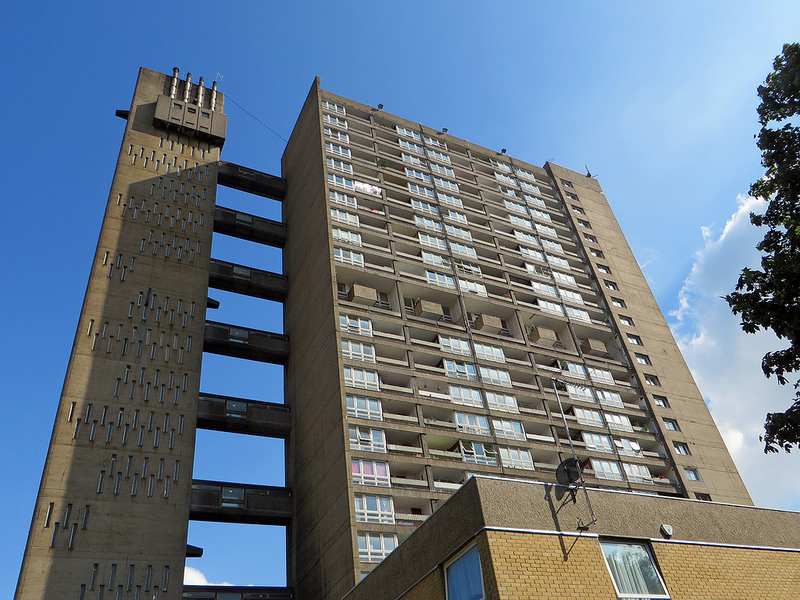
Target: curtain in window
633 570
464 577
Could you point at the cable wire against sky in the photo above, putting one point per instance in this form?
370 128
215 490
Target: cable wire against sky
255 118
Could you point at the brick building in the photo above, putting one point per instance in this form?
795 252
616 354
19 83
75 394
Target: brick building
500 539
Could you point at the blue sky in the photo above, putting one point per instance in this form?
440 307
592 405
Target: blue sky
658 99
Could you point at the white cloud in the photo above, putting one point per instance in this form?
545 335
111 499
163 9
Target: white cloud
726 362
192 576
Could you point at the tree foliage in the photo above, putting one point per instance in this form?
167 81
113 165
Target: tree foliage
769 298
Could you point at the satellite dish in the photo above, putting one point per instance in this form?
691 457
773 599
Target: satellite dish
569 471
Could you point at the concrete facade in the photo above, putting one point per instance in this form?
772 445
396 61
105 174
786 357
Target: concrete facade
113 506
436 294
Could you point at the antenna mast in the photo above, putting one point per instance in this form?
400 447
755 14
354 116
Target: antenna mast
574 456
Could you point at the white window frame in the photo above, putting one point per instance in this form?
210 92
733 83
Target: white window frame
354 324
404 131
448 199
472 287
551 245
606 469
599 442
599 375
471 423
349 237
348 257
516 206
334 120
373 547
459 232
550 307
524 173
589 416
609 398
328 105
540 214
692 474
463 249
367 439
563 278
443 183
440 279
435 260
578 313
495 376
534 200
421 175
626 447
342 182
337 149
636 473
619 422
410 146
523 236
442 170
425 207
412 160
580 393
478 453
362 407
358 351
432 241
489 352
374 509
427 223
519 221
457 216
466 396
511 430
454 345
370 475
459 369
571 296
337 135
534 254
516 458
340 198
438 156
421 190
544 288
363 379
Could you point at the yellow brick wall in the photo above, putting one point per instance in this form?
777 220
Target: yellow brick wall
430 588
717 573
525 565
518 566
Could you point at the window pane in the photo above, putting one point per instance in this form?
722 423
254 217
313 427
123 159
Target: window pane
633 570
464 577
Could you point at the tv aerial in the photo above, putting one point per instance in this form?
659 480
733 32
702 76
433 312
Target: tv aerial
569 472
